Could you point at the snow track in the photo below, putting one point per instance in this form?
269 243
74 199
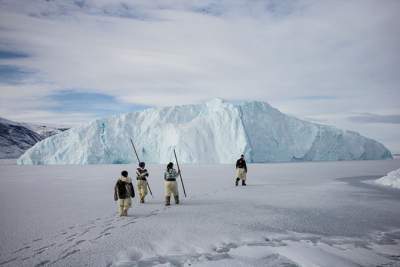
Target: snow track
56 248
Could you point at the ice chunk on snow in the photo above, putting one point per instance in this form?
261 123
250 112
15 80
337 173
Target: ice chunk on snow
213 132
392 179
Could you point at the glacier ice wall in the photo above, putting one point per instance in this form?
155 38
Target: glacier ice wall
213 132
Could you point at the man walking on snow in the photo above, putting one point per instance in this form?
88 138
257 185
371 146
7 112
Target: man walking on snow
123 191
171 187
141 177
241 171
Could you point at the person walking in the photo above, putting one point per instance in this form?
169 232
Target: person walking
241 171
171 186
141 177
123 192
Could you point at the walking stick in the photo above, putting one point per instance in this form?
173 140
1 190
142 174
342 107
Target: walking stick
180 174
134 149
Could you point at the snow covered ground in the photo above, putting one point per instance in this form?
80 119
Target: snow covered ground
290 214
392 179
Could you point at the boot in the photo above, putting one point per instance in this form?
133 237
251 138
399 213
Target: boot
142 200
244 183
167 201
176 199
237 181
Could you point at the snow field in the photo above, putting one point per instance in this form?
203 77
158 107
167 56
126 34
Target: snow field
294 214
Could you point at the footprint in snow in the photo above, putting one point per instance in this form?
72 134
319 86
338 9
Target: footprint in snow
73 246
79 242
71 236
87 230
65 256
42 263
38 252
125 225
100 236
8 261
21 249
106 229
44 248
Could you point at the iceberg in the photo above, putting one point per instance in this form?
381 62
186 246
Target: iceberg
213 132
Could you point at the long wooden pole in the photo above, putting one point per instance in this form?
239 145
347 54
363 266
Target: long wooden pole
134 149
180 174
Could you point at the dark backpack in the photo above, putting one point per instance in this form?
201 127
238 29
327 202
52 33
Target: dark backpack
121 189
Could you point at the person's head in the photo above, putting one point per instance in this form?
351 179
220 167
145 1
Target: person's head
142 164
242 156
124 173
170 166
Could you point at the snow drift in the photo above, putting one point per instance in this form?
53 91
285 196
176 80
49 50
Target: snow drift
392 179
213 132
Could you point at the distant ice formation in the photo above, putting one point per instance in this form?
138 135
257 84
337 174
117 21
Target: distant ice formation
213 132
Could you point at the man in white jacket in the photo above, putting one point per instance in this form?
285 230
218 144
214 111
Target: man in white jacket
141 177
171 186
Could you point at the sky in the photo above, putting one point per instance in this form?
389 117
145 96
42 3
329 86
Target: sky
333 62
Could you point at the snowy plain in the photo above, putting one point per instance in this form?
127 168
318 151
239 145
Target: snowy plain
290 214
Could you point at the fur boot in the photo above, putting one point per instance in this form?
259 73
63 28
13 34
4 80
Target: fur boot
167 201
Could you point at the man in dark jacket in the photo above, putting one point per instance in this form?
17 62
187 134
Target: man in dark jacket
123 191
241 171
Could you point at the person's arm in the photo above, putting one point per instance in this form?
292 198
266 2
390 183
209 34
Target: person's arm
132 190
245 166
115 193
142 175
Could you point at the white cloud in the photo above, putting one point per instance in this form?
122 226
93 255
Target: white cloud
176 52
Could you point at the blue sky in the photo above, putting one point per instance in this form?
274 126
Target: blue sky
4 54
101 105
334 62
10 74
